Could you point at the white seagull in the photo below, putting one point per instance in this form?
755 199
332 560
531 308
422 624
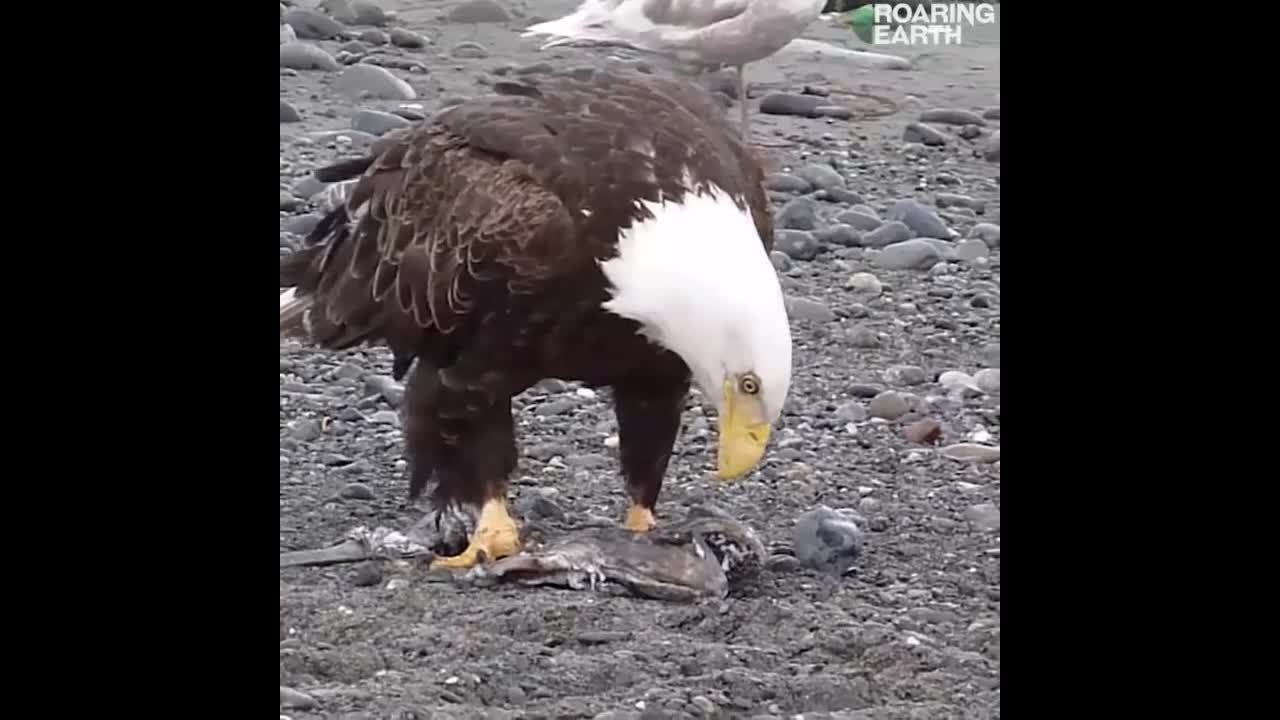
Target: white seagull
708 32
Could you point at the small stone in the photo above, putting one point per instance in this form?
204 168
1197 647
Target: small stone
988 380
827 540
799 308
374 37
397 584
919 218
865 390
291 699
367 575
785 183
780 103
985 517
376 122
924 134
916 254
992 152
704 705
781 262
821 177
865 285
988 233
842 235
409 39
356 491
288 113
839 112
287 34
368 13
305 56
387 387
305 430
478 11
946 200
839 195
970 132
954 379
925 431
363 80
385 417
905 375
287 201
864 338
798 214
888 405
797 244
971 453
851 412
991 355
886 234
306 187
469 50
555 407
982 301
952 117
312 24
860 220
972 249
991 113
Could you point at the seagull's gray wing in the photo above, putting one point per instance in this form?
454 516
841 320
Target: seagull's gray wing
692 13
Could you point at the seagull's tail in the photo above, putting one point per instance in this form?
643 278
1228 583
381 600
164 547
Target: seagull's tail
590 23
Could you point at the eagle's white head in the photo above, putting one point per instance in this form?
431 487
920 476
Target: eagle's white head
697 278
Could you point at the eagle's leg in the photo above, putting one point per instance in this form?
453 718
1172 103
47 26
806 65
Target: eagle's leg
648 422
454 436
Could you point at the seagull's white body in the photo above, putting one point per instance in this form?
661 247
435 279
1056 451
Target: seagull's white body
708 32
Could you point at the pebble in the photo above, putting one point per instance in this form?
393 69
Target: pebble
991 113
786 183
478 11
287 34
780 103
822 177
555 407
988 233
988 380
306 187
887 234
905 375
799 308
376 122
951 117
368 13
387 387
865 390
851 412
296 700
859 220
373 81
798 214
356 491
367 575
838 195
704 705
305 56
925 431
970 132
919 218
313 24
924 134
916 254
888 405
954 379
797 244
827 540
288 113
781 262
984 517
469 50
946 200
992 151
865 284
374 36
971 453
385 417
288 202
971 250
409 39
305 430
864 338
842 235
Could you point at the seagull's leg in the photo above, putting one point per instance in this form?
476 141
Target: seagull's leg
742 100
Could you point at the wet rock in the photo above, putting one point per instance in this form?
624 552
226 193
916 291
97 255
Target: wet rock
780 103
924 134
992 151
923 221
313 24
842 235
888 233
917 254
984 517
828 540
951 117
860 220
889 405
305 56
407 39
478 11
808 310
288 113
356 491
363 80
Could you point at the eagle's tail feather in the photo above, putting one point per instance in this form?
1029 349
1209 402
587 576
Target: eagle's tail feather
293 311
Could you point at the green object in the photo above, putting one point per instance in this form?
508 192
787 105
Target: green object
862 21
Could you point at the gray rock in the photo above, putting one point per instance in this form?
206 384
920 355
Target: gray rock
785 183
924 134
478 11
313 24
798 214
905 375
387 387
555 407
946 200
401 37
821 177
972 249
859 220
287 34
385 417
374 37
781 262
339 10
923 221
367 574
356 491
991 354
355 138
988 233
372 81
781 103
368 13
838 195
305 430
988 379
306 187
797 244
354 47
843 235
851 412
704 705
291 699
970 132
951 117
984 517
886 234
828 540
971 453
799 308
288 202
992 151
865 390
889 405
288 113
305 56
376 122
991 113
865 285
863 337
469 50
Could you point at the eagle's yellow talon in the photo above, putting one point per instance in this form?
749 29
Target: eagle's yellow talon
639 519
496 537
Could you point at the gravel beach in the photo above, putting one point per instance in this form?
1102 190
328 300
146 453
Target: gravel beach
887 201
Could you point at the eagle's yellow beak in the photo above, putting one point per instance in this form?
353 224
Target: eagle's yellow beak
744 433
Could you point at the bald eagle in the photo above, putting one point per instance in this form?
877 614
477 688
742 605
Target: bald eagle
602 226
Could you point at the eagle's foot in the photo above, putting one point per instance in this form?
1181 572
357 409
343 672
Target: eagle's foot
496 537
639 519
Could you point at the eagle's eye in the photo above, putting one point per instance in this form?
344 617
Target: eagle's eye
749 385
